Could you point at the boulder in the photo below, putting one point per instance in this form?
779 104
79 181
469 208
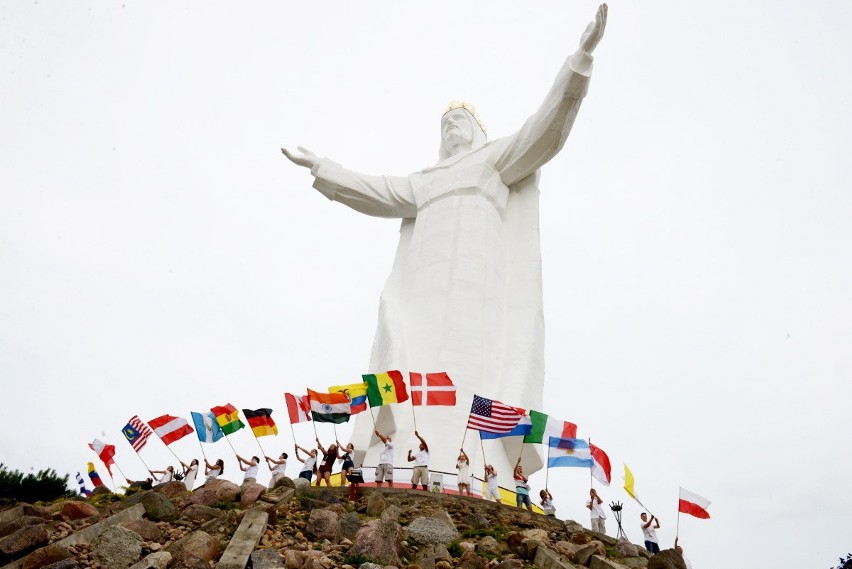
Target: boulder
47 555
146 529
376 503
294 559
572 527
199 513
444 516
100 490
667 559
77 510
156 560
584 553
251 493
24 540
538 534
284 483
626 549
470 560
430 554
116 547
634 562
204 496
566 548
379 541
476 520
391 512
430 530
266 559
598 562
157 506
17 523
323 524
488 546
529 547
350 523
171 489
199 544
301 485
186 560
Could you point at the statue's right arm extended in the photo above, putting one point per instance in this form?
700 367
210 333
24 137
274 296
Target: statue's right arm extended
379 196
543 134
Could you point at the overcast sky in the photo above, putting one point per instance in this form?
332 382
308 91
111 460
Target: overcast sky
159 255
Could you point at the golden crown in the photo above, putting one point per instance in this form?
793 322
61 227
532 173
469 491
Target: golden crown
469 108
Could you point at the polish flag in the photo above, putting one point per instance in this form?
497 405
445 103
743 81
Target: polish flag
170 429
105 452
600 466
693 504
436 389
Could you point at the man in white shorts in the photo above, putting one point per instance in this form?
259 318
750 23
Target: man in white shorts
384 470
491 488
420 475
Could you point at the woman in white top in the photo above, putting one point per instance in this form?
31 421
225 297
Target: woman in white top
190 471
167 475
278 469
250 469
309 465
463 466
214 471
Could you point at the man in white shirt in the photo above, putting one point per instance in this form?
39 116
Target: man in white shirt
384 470
598 514
651 543
420 475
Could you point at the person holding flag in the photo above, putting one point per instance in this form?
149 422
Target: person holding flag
213 471
348 463
522 487
190 471
167 475
648 531
250 469
420 473
278 469
598 514
463 477
492 490
329 457
384 470
309 463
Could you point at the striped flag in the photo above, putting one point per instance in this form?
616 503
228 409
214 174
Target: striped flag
105 452
228 418
545 426
170 429
693 504
492 416
94 476
520 430
385 388
206 427
329 407
298 408
83 490
569 453
357 394
136 432
260 421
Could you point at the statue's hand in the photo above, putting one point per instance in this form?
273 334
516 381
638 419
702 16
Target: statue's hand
594 31
305 157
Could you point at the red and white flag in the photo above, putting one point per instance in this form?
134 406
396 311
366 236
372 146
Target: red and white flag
105 452
170 429
298 408
434 389
693 504
492 416
601 468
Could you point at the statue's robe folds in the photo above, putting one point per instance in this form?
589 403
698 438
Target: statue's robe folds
465 293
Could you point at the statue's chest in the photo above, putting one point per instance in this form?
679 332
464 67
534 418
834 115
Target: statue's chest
462 181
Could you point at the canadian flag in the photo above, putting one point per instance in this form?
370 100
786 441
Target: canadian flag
693 504
437 389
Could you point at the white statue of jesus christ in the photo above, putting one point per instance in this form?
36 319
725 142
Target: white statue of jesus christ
465 295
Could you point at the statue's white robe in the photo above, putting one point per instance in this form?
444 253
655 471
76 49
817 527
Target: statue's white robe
465 293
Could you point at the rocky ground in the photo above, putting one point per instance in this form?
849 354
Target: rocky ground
295 526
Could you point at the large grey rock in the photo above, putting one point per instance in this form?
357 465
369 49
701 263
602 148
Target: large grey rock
214 491
350 523
572 527
284 482
251 493
199 513
156 560
443 516
379 541
470 560
171 489
429 554
47 555
598 562
566 548
667 559
267 559
429 530
626 549
488 545
116 548
77 510
476 520
375 504
199 544
146 529
391 512
323 524
546 558
301 485
23 540
14 524
585 552
157 506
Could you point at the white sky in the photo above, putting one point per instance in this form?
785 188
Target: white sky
159 255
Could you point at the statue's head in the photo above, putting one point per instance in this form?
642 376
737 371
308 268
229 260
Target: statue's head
460 128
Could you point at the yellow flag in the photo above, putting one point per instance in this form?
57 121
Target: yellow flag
629 483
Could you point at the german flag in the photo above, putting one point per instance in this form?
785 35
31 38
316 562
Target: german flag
260 421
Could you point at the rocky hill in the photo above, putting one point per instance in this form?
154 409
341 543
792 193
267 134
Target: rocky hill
295 526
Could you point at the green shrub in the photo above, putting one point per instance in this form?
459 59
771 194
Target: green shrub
44 486
455 548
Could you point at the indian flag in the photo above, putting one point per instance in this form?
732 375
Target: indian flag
329 407
545 426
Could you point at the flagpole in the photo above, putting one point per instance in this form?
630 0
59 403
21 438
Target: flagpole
201 446
230 445
262 452
547 467
413 416
591 478
677 529
168 447
140 458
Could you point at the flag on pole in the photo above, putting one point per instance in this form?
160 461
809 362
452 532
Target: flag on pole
170 429
357 394
94 476
545 426
82 483
228 418
693 504
629 483
521 429
329 407
601 468
260 421
385 388
206 427
298 408
433 389
105 452
136 432
568 452
492 416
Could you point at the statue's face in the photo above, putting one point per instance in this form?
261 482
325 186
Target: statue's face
457 127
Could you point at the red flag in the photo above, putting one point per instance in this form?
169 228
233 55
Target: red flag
693 504
437 389
492 416
105 452
170 428
600 466
298 408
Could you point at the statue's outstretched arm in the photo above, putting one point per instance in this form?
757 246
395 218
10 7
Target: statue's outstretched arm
544 133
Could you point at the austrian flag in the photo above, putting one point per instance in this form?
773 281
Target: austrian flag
693 504
435 389
170 429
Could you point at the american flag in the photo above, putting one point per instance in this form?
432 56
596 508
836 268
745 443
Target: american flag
136 432
492 416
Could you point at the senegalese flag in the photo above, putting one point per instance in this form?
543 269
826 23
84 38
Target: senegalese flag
357 394
385 388
94 476
228 418
260 421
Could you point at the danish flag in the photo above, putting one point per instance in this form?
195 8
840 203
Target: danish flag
437 389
